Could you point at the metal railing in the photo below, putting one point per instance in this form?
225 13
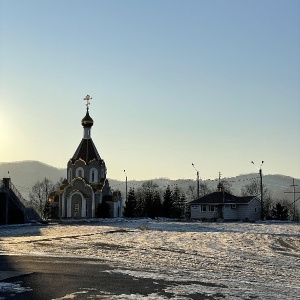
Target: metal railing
18 194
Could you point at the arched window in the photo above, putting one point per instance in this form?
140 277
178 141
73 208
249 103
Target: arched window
93 175
80 172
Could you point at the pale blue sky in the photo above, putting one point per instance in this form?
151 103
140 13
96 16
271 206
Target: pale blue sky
216 83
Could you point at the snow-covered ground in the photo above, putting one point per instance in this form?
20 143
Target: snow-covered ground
222 260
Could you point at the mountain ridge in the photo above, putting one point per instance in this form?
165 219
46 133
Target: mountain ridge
24 174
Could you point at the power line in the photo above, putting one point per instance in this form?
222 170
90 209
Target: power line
294 192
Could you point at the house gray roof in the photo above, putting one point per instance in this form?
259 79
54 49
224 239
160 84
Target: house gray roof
86 151
222 198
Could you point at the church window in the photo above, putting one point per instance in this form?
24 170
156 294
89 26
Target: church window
79 172
93 175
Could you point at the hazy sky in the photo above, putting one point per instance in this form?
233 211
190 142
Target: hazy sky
214 83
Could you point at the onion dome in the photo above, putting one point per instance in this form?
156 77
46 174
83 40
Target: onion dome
87 121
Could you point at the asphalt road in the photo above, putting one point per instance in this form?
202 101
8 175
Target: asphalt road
45 278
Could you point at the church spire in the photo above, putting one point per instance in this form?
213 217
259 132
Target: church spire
86 151
87 122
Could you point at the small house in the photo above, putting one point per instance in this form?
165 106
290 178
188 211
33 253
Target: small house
225 206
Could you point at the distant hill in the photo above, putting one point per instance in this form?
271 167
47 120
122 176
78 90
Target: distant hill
25 174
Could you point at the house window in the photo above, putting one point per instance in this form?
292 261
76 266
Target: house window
93 176
233 206
211 208
255 209
203 208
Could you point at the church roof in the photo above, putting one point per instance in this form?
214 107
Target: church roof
86 151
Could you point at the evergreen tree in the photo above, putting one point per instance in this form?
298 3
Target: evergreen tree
183 206
175 209
167 202
156 210
149 195
280 212
130 204
140 204
47 210
145 196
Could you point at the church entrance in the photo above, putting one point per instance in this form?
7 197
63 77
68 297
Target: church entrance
77 206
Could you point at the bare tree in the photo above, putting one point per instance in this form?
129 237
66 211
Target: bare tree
191 192
204 189
39 195
227 186
253 189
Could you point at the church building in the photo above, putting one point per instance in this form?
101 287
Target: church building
86 193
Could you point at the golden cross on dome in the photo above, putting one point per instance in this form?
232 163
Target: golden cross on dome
87 99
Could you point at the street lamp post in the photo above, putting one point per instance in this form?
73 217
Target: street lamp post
126 185
261 188
198 185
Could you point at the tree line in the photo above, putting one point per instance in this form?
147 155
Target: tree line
152 201
149 201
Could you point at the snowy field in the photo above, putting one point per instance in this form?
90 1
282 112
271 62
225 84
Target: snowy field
220 260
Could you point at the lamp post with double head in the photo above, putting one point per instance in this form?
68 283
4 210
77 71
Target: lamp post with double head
126 185
198 184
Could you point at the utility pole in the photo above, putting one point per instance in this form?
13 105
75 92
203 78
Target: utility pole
261 189
294 192
126 185
198 184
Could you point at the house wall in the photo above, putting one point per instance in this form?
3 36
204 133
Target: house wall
196 212
230 213
250 211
